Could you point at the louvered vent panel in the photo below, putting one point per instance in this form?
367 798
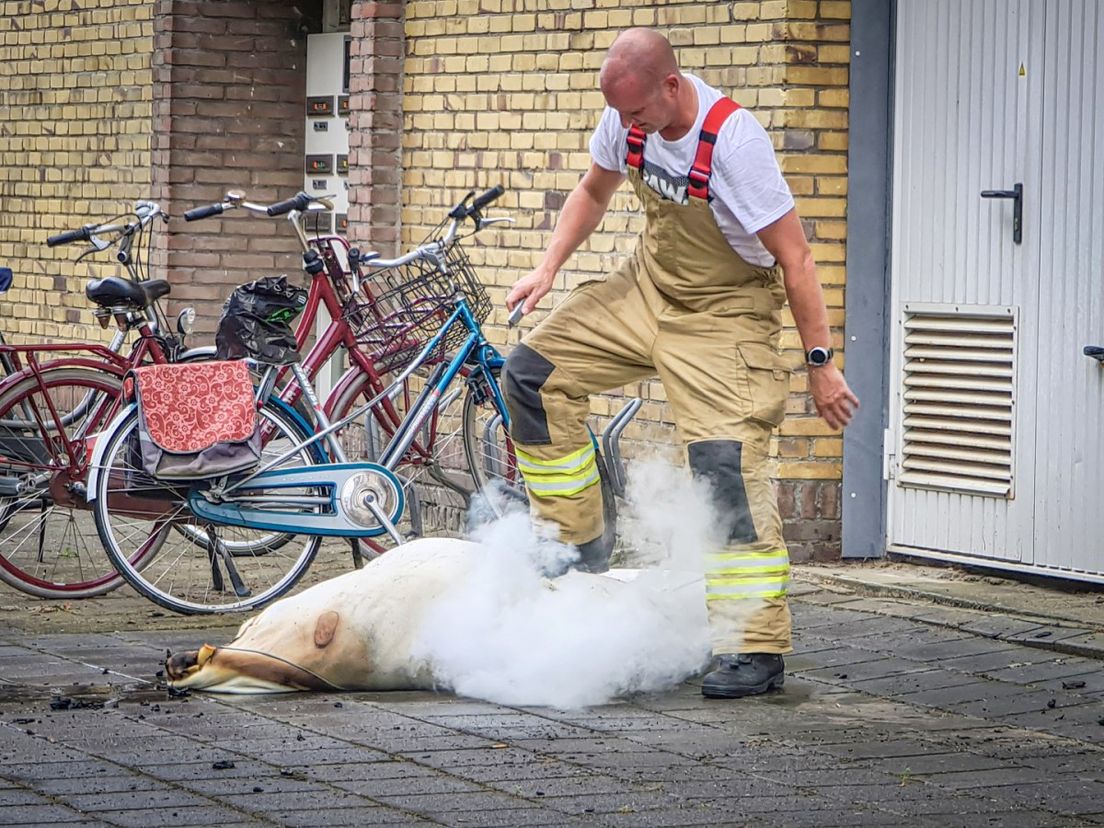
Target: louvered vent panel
958 402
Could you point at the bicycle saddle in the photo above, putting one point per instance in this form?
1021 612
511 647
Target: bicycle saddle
114 291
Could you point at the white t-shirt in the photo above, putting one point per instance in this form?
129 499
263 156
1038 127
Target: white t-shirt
746 190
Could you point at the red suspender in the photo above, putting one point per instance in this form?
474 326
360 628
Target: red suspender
634 153
702 167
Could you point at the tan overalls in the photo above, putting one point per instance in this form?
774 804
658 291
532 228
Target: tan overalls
685 305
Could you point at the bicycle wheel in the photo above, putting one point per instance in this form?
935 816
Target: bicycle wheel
49 547
235 570
492 460
488 449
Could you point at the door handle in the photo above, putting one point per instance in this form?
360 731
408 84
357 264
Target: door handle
1016 194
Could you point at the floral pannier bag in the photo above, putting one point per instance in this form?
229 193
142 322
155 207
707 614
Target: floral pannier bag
195 420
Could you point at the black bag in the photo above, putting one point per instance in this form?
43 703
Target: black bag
256 321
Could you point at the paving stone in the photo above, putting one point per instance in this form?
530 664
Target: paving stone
624 802
375 816
1070 797
10 797
326 756
508 818
998 626
936 763
989 778
1049 669
57 770
874 625
1081 684
1007 656
203 770
1004 819
431 804
134 800
826 598
450 759
839 656
879 749
39 815
1004 703
581 785
878 668
1046 635
265 802
898 685
1086 765
833 777
429 784
541 769
937 651
1090 644
242 785
1081 722
799 801
990 691
691 814
845 819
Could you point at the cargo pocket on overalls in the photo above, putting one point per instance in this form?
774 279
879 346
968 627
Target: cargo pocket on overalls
768 378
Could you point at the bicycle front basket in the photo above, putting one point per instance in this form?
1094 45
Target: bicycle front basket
404 307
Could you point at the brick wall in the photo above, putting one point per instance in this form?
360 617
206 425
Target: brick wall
230 91
75 93
505 92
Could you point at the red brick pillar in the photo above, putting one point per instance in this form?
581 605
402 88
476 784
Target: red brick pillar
228 113
375 125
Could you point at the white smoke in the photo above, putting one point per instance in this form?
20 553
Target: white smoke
509 635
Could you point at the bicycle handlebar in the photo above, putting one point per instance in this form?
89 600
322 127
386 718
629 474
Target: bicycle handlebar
204 212
433 249
300 201
462 211
486 198
146 211
84 234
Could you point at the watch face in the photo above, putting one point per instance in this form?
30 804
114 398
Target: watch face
818 356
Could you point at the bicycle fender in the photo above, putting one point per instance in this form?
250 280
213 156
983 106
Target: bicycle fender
100 449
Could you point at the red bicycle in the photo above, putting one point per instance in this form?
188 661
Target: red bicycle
56 397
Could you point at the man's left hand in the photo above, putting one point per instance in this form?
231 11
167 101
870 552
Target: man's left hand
834 400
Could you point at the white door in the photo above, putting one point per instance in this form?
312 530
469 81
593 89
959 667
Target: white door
1069 447
993 407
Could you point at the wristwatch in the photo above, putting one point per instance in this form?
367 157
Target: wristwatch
818 357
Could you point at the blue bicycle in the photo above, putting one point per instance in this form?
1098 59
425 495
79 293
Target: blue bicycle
422 314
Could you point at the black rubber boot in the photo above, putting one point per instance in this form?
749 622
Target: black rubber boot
594 556
733 676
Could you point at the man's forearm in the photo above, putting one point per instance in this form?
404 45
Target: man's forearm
581 214
807 303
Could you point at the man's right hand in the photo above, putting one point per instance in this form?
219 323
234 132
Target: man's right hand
529 290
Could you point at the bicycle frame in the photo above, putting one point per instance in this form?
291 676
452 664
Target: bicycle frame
337 335
476 345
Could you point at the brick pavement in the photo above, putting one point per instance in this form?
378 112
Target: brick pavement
886 719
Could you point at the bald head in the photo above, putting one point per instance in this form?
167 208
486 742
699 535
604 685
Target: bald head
640 78
638 54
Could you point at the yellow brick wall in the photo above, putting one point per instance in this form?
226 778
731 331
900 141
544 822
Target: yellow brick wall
75 124
506 92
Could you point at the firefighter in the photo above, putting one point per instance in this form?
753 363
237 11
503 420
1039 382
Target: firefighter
699 303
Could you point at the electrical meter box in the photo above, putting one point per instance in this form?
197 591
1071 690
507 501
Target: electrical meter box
326 165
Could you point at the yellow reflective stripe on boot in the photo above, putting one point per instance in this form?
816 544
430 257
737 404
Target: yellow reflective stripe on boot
561 476
739 575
